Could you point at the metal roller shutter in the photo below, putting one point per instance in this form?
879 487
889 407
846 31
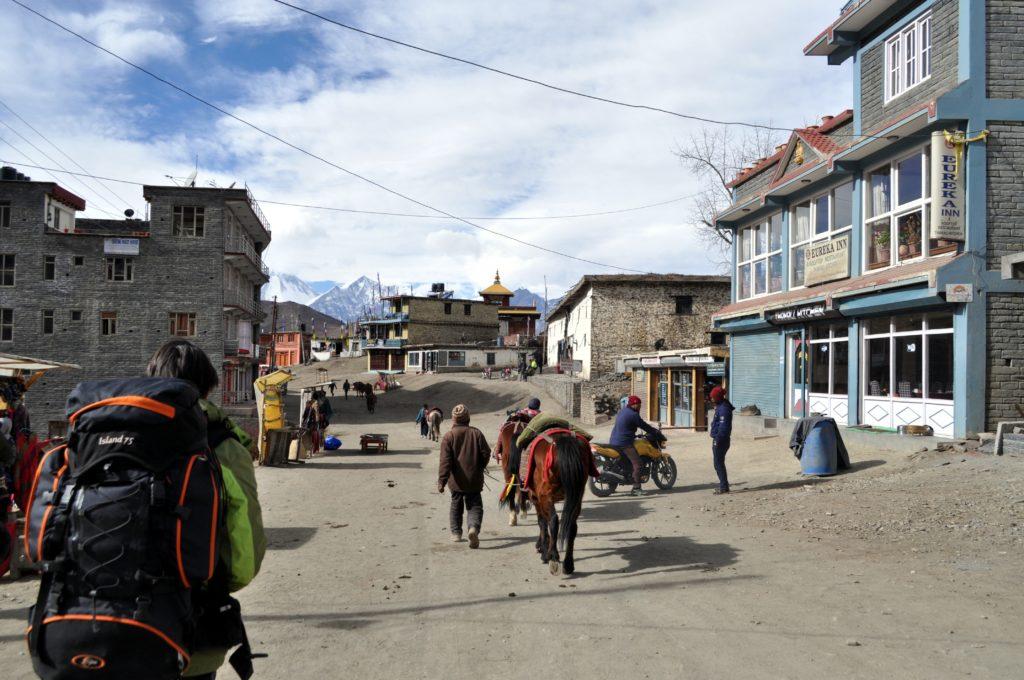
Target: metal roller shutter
756 373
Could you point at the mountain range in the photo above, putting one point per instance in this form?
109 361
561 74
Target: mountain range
352 301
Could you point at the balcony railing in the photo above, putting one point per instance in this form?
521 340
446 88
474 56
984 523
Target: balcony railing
234 298
256 209
244 247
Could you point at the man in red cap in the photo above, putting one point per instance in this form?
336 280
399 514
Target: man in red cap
721 434
623 437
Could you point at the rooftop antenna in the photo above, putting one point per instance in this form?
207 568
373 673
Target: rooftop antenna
190 181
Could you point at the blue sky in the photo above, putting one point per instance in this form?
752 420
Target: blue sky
467 141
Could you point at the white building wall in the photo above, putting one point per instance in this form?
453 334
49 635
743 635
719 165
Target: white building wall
575 326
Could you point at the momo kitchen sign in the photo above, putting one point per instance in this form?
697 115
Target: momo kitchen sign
827 261
809 312
948 217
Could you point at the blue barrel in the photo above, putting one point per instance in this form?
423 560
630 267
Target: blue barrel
332 443
819 456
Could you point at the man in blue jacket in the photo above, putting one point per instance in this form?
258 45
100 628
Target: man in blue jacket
623 437
721 433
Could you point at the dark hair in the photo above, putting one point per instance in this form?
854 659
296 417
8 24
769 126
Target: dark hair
182 359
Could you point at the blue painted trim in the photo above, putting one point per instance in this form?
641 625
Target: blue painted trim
783 367
970 366
899 26
892 301
857 237
743 325
857 119
853 373
735 255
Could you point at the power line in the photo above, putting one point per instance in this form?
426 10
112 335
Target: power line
566 90
306 152
32 164
52 160
63 153
382 212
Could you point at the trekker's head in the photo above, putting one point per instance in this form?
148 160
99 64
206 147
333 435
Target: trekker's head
717 395
460 414
534 404
633 402
182 359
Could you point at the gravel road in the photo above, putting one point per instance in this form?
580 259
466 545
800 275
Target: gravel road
360 580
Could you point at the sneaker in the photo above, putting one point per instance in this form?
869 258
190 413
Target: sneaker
456 537
637 492
474 538
719 492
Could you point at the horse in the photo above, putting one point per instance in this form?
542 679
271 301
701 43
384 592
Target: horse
565 479
362 388
509 455
434 417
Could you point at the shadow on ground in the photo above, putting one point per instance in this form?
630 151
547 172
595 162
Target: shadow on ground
622 509
800 481
666 555
288 538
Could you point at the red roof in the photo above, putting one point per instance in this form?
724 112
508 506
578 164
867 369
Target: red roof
843 287
61 194
816 136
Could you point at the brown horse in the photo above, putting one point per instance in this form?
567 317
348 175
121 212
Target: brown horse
362 388
561 463
509 455
434 417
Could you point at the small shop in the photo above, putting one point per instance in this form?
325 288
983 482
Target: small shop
460 358
675 385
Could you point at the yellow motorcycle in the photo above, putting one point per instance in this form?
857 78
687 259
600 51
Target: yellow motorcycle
655 464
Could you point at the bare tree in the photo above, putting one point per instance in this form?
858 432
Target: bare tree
715 155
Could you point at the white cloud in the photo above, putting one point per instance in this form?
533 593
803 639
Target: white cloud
467 141
135 31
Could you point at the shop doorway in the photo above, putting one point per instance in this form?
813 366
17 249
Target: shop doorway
682 392
829 365
663 397
797 376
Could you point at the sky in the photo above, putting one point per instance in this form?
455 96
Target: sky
458 138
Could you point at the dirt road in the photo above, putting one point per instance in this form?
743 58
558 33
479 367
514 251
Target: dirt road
361 581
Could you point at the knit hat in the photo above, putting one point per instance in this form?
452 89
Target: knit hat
717 394
460 414
534 404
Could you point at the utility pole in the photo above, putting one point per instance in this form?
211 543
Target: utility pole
272 359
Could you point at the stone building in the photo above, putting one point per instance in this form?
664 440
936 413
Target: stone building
105 294
425 320
604 317
876 275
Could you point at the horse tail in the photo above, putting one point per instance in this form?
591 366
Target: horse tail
572 474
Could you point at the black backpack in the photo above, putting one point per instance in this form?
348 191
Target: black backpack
126 520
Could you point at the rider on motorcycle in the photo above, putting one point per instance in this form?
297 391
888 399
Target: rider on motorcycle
623 437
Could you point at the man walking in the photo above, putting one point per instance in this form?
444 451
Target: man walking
421 420
721 433
464 457
346 387
332 387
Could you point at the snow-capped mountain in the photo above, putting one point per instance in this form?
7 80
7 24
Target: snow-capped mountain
288 288
347 302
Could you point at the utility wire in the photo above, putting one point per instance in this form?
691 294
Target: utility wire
32 164
381 212
566 90
61 151
306 152
88 189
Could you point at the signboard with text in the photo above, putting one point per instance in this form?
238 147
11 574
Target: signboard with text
650 362
948 217
827 261
120 246
959 292
803 313
716 370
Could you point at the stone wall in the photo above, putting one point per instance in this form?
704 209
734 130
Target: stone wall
566 391
1005 380
428 324
753 186
1004 20
1005 210
945 34
171 274
632 316
608 389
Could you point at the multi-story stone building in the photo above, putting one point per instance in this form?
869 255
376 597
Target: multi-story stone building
412 320
104 294
604 317
876 259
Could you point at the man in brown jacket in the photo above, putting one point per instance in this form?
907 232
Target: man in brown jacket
464 456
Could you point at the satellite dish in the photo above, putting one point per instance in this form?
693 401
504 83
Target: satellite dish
233 185
190 181
129 213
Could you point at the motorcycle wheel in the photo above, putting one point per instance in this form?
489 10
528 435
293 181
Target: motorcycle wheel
664 474
602 489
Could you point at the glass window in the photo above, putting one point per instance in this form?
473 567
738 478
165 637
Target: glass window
909 228
744 283
908 57
760 239
843 206
910 322
798 266
801 223
878 367
880 187
183 324
188 220
746 239
456 358
820 332
760 277
940 321
49 268
775 228
840 367
821 215
775 273
909 360
909 179
120 269
5 214
108 323
819 367
6 325
7 269
940 366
